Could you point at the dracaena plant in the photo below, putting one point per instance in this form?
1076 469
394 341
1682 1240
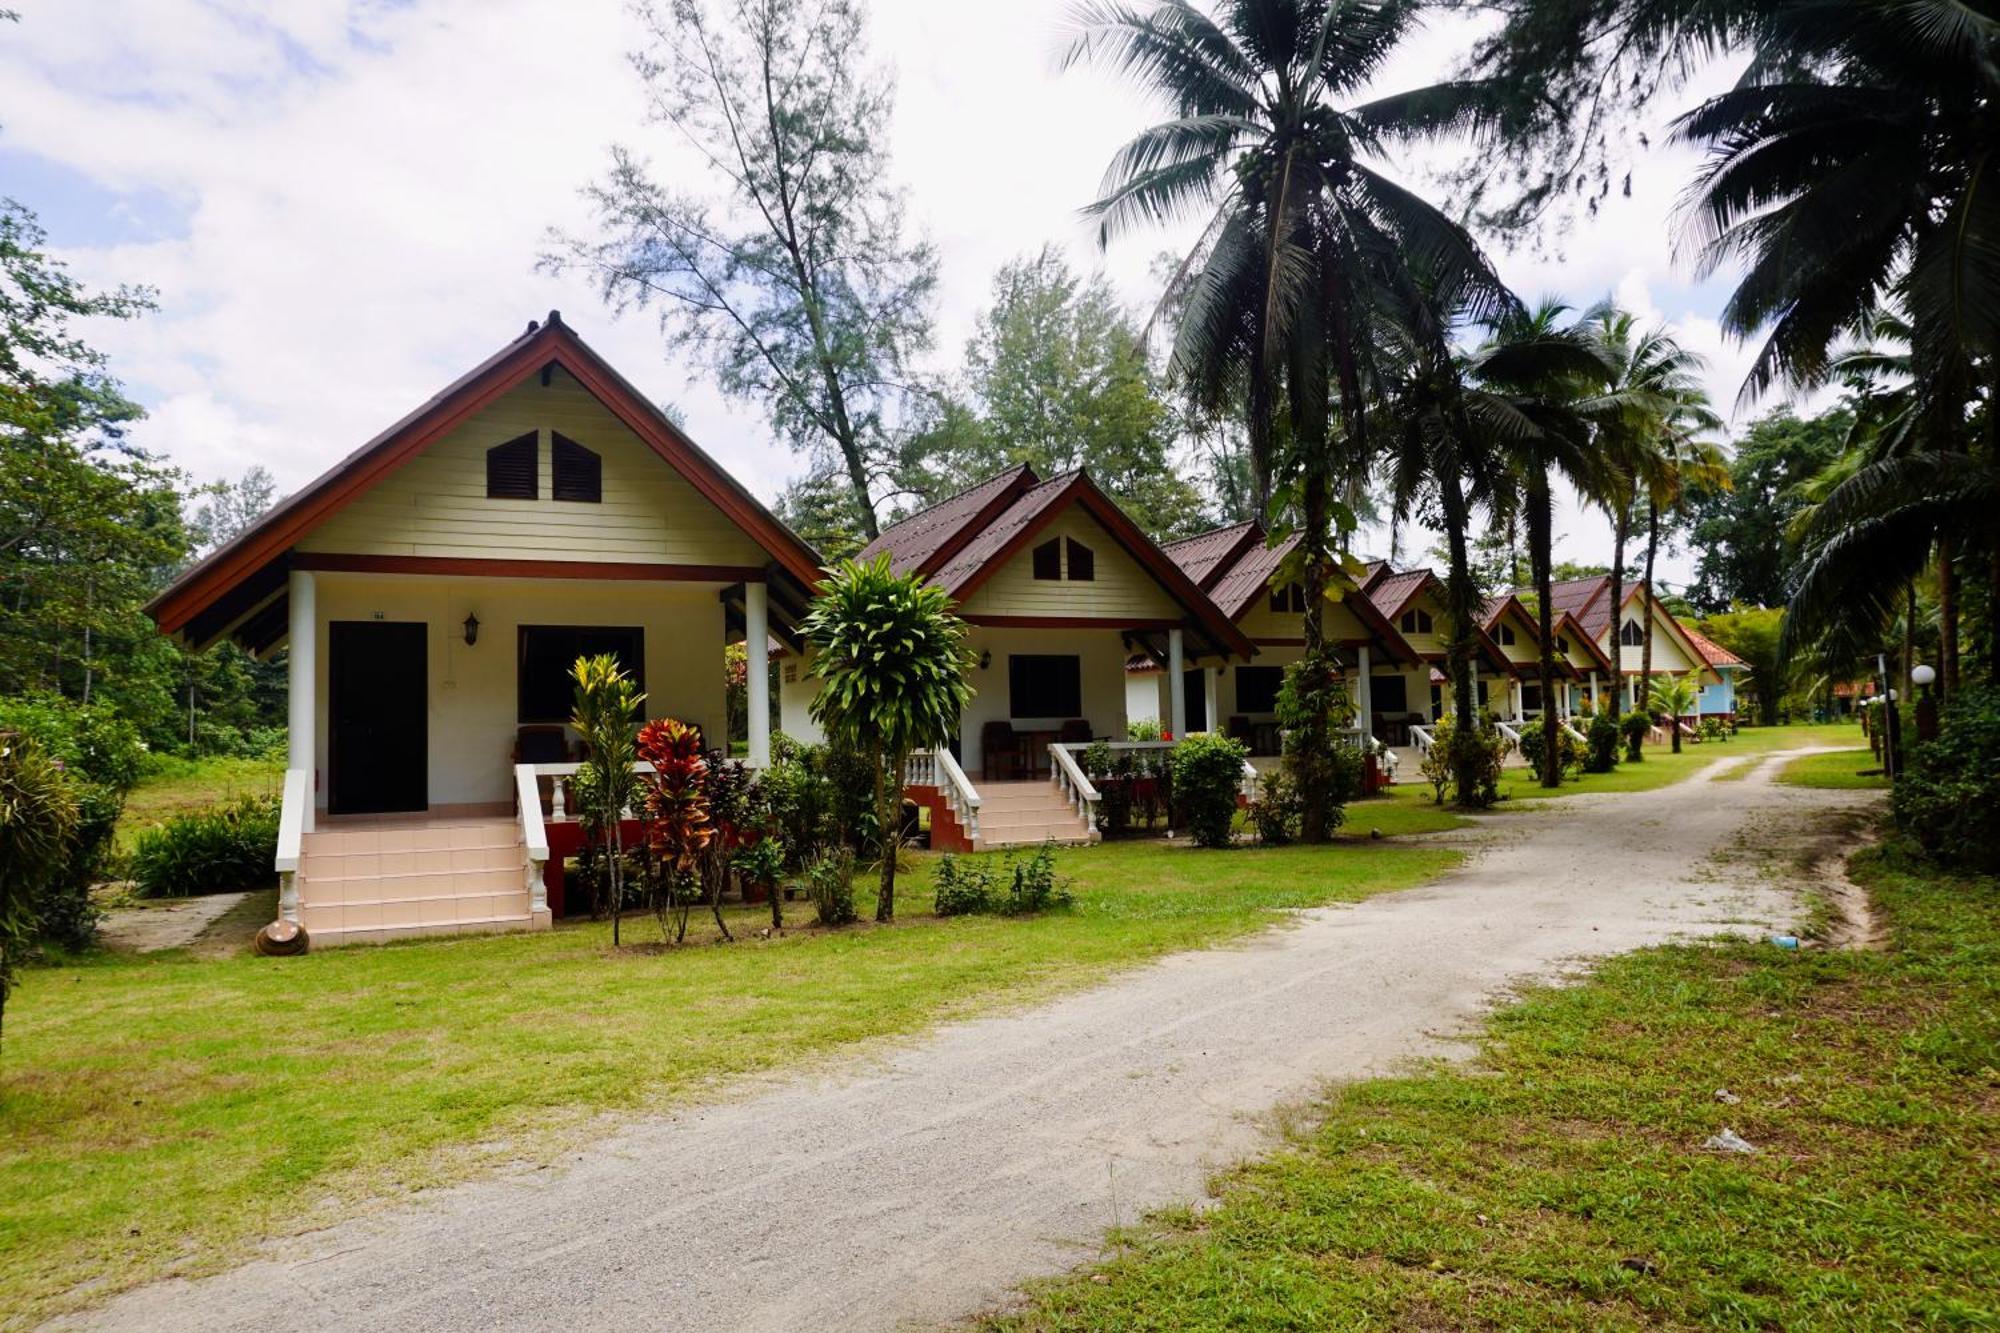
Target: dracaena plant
606 702
892 664
679 825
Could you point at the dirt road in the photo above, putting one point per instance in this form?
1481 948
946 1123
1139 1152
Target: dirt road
923 1184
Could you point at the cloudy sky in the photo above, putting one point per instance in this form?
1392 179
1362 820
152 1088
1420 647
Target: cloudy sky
340 201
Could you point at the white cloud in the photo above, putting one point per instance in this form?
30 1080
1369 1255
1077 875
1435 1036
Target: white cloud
367 183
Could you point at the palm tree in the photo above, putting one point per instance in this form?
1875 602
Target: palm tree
1544 379
1264 139
1675 697
1683 463
1444 455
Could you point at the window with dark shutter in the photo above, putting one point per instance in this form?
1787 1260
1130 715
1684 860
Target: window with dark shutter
1507 635
1291 597
1416 622
1632 635
511 469
1048 560
1082 561
548 653
575 473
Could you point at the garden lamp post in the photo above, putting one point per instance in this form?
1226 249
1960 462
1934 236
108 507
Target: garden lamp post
1922 676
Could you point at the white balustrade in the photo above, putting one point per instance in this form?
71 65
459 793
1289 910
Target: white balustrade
292 818
534 834
1072 783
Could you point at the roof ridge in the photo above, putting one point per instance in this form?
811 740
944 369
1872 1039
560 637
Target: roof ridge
1206 533
959 494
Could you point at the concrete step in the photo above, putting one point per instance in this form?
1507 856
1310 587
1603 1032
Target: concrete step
440 861
374 839
1073 834
325 921
1025 818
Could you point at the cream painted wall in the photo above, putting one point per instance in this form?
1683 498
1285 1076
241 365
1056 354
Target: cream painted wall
1102 668
1121 588
1669 653
436 504
1336 622
796 689
472 690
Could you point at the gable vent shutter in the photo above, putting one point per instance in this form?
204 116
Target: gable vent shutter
576 473
511 470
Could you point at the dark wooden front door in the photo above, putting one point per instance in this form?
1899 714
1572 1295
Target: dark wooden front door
378 751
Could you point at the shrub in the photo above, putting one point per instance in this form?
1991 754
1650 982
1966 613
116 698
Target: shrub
1324 765
38 819
1569 752
1633 727
64 913
1712 729
1208 770
818 795
1036 886
1275 812
1480 753
1948 797
87 741
1601 747
830 885
223 848
963 888
1144 729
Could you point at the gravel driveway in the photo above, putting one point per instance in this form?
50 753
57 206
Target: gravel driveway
923 1184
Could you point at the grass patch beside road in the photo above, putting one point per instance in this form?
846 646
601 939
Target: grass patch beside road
1560 1181
158 1114
1841 769
1662 766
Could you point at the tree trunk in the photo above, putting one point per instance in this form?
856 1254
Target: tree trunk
1620 529
1540 520
887 814
1646 652
1463 592
614 873
1947 586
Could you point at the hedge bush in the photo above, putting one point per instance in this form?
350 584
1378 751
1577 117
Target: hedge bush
88 742
1569 751
966 887
1633 727
1208 770
830 885
1948 797
217 850
1601 743
1276 812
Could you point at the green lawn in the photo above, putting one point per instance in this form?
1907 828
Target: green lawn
180 786
1842 769
157 1114
1560 1180
1662 766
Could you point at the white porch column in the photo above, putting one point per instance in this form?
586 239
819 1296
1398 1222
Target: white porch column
1210 697
1176 685
1593 691
757 673
1517 697
301 660
1364 692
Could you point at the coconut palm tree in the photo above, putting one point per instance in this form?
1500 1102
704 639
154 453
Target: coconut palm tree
1544 380
1683 463
1673 697
1266 140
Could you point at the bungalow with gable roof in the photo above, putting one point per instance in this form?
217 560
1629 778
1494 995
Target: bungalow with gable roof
1588 602
1718 698
432 591
1061 589
1516 629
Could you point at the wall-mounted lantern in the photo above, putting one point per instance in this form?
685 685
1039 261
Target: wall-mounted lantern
471 629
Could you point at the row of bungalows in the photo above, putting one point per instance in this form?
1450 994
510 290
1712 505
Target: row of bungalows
432 589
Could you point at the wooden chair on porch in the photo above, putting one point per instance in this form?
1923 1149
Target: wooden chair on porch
1076 731
999 745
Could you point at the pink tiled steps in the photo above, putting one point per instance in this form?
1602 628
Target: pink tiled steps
369 880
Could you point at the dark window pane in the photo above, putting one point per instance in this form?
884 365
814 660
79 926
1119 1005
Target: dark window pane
1044 685
1082 562
1389 694
1257 688
1048 560
511 470
1194 689
548 652
575 473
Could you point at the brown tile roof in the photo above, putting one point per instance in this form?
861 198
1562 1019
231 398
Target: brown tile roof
1205 557
923 534
1716 654
1584 599
992 539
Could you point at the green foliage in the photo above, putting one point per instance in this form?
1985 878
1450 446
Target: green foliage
1059 380
1325 768
1208 771
64 914
219 850
961 887
894 674
606 703
1739 533
829 879
969 886
1753 633
90 742
38 819
1456 756
1569 751
1948 797
1633 727
1601 749
1276 811
1144 729
818 796
798 289
1712 729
